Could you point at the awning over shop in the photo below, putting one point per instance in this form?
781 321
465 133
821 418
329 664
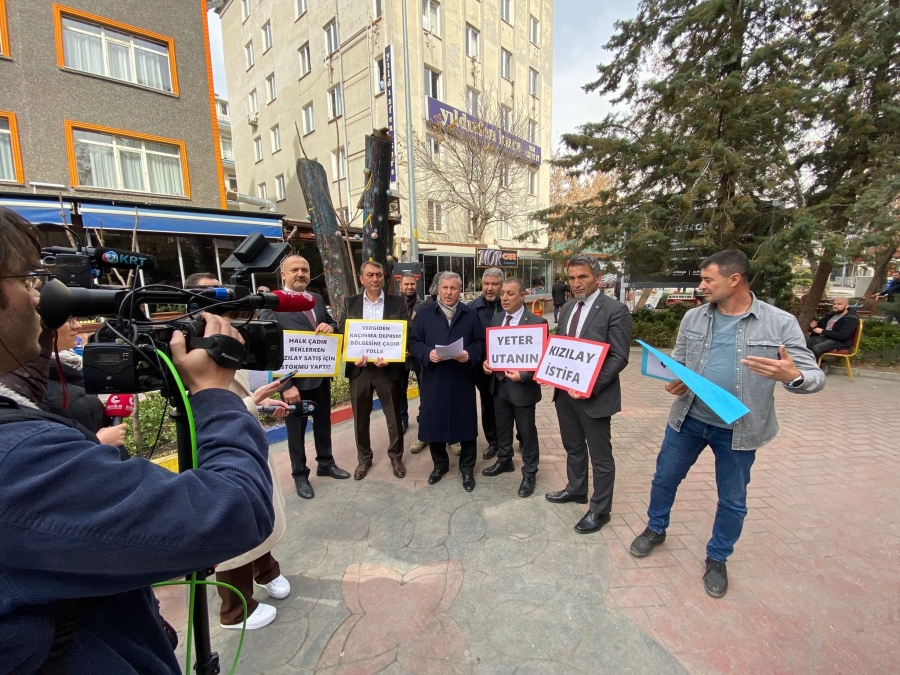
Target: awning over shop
39 210
161 221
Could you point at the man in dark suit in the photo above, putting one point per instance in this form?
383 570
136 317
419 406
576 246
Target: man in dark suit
409 291
584 422
487 305
295 277
374 375
515 394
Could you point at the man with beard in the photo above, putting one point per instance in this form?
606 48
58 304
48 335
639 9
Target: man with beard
408 290
295 277
584 421
487 305
448 413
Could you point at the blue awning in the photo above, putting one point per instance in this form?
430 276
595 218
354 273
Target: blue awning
39 210
160 221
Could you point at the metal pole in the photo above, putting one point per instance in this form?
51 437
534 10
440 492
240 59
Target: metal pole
410 167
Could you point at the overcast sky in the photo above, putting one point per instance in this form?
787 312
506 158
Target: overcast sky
581 28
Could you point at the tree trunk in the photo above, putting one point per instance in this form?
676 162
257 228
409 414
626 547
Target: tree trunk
643 299
883 258
378 234
817 289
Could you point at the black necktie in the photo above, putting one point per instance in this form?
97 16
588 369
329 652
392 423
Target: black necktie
573 322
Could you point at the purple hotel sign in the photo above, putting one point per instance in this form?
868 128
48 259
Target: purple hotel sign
441 114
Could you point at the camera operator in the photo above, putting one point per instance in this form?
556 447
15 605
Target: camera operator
82 533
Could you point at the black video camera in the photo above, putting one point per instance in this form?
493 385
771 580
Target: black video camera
121 356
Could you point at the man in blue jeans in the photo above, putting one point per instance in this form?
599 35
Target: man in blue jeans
744 346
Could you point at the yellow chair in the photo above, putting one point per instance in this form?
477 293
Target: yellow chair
847 353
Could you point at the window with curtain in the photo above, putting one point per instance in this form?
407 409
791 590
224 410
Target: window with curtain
125 163
97 49
7 158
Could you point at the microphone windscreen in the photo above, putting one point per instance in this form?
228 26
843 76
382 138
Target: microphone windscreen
290 301
120 405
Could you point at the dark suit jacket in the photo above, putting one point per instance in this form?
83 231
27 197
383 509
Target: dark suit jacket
394 309
609 321
526 392
298 321
843 330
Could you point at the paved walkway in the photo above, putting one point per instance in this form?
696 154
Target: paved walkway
396 576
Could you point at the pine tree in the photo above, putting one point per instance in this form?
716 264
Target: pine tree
718 94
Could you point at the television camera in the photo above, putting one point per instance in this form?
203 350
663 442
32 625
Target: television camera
121 356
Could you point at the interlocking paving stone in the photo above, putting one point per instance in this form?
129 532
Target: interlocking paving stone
395 576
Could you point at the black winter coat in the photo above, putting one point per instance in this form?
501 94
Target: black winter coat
843 330
86 409
447 412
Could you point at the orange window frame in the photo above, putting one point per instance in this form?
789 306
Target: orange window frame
4 30
16 149
59 11
71 126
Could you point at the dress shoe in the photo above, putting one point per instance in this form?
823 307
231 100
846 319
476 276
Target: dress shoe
418 447
591 522
526 489
644 543
498 467
362 470
436 476
331 470
468 482
304 489
405 427
716 578
562 497
455 449
399 469
491 452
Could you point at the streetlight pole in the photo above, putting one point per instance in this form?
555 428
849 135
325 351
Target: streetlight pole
410 168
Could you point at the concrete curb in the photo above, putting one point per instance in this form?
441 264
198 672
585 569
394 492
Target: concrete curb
840 371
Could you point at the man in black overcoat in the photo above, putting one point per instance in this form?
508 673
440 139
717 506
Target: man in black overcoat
447 412
584 422
488 306
515 394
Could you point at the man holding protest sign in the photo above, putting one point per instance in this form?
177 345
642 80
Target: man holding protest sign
295 277
514 391
584 420
744 346
448 341
372 371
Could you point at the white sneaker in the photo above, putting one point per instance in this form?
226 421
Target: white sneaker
279 588
263 615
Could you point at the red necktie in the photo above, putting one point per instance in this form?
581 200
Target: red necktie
573 322
508 319
311 317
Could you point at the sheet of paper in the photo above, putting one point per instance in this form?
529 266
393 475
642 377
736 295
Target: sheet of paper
651 366
724 404
450 351
375 339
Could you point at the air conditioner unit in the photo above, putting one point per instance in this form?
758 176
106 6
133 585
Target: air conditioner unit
253 119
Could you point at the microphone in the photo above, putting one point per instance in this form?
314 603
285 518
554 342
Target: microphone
288 301
306 407
119 406
113 257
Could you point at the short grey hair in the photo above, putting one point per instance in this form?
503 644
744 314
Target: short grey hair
583 260
495 272
368 263
518 282
448 275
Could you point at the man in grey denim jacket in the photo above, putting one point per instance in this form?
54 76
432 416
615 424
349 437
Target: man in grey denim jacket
745 346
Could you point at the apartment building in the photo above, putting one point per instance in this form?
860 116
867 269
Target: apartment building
108 120
312 78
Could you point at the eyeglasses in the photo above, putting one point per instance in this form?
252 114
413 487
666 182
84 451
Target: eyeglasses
32 279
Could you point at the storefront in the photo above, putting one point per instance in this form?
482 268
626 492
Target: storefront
536 272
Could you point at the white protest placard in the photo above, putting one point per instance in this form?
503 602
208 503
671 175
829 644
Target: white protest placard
374 339
311 354
515 347
571 363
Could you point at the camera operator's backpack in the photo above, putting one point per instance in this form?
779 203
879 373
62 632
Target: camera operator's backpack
62 612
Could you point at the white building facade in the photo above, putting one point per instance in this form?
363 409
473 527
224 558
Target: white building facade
312 78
